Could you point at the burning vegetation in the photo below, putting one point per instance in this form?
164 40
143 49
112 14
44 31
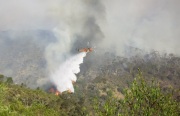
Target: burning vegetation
54 91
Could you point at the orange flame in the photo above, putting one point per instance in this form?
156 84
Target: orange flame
57 93
53 90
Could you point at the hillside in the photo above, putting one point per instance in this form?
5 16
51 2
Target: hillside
28 65
20 100
89 58
116 73
103 79
96 98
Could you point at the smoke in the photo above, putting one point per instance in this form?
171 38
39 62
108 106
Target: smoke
64 76
55 29
142 24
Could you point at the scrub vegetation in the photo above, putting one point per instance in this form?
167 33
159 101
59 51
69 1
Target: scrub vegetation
141 98
139 85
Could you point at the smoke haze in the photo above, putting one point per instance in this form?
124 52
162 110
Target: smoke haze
143 24
55 29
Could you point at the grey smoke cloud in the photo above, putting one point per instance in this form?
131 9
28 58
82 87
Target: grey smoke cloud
66 23
146 24
129 22
59 27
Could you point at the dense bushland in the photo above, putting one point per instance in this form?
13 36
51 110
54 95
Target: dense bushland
141 98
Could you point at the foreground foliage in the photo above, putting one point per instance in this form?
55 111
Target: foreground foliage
148 99
16 100
141 98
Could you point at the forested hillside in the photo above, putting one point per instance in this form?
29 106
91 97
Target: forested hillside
141 98
111 72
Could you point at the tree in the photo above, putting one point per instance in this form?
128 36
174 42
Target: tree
148 100
109 107
9 80
141 99
1 78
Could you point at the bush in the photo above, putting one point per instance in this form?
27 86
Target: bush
141 99
110 107
148 99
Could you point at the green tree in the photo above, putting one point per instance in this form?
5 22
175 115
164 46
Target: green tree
109 107
1 78
141 99
144 99
9 80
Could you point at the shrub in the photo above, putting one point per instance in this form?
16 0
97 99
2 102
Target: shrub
141 99
148 99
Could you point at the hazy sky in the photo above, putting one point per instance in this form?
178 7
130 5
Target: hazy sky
146 24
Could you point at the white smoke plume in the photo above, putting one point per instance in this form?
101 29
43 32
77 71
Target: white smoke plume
64 76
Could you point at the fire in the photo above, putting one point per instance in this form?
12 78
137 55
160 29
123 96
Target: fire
53 90
57 93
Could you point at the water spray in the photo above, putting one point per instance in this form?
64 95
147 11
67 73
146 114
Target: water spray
64 77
